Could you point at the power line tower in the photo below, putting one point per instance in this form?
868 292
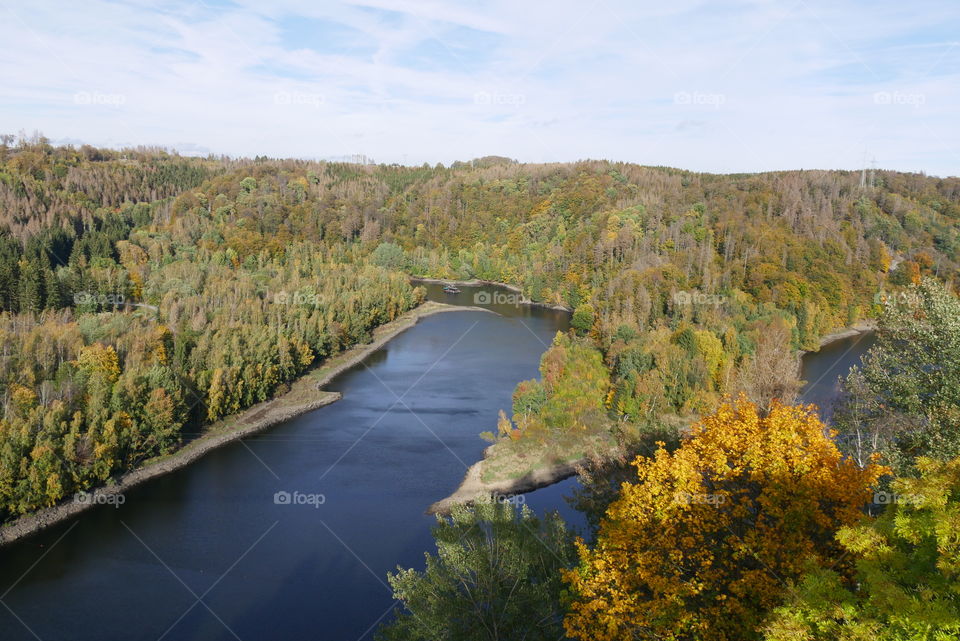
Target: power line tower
866 181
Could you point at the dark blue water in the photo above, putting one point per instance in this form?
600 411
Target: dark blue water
822 370
207 553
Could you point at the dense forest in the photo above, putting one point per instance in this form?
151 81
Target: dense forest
128 326
758 522
144 295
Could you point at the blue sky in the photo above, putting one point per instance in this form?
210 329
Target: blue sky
709 86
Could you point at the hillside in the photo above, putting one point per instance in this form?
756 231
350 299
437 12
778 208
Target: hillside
145 295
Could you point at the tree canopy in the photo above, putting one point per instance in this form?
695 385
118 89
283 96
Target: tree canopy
700 545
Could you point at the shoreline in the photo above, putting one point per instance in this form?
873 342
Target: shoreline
473 486
863 327
476 282
305 395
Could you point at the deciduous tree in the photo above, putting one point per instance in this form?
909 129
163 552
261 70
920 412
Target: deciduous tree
700 545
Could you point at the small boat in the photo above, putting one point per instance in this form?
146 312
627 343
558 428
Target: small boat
451 289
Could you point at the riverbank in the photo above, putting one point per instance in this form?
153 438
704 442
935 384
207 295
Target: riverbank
474 486
487 478
862 327
490 283
305 395
508 467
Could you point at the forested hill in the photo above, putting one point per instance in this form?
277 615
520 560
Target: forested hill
259 267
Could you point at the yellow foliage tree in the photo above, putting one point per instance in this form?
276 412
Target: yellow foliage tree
700 547
100 359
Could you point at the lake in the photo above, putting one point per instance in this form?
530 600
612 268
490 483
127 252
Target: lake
821 370
207 553
289 534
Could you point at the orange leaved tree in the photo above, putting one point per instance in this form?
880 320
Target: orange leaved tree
700 547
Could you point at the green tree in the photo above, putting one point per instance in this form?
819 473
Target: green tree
583 318
907 583
904 401
496 575
389 256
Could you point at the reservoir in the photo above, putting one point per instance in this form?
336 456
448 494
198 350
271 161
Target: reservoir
821 370
289 534
212 551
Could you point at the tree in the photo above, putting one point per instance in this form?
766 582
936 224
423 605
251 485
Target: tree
771 372
99 362
569 400
582 319
388 256
904 401
495 576
528 399
907 585
699 546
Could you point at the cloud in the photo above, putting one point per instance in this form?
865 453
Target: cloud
743 86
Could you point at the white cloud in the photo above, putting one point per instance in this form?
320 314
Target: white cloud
740 87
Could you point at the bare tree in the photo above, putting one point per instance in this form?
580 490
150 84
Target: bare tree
772 371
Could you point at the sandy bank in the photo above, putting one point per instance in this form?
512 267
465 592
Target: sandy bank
473 486
304 396
860 328
480 283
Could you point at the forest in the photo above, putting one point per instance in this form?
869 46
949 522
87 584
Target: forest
144 295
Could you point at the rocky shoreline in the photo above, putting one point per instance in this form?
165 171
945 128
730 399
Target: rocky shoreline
304 396
862 327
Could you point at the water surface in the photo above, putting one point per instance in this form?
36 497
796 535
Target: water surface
207 553
822 370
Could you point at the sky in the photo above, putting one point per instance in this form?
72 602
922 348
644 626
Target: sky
718 86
